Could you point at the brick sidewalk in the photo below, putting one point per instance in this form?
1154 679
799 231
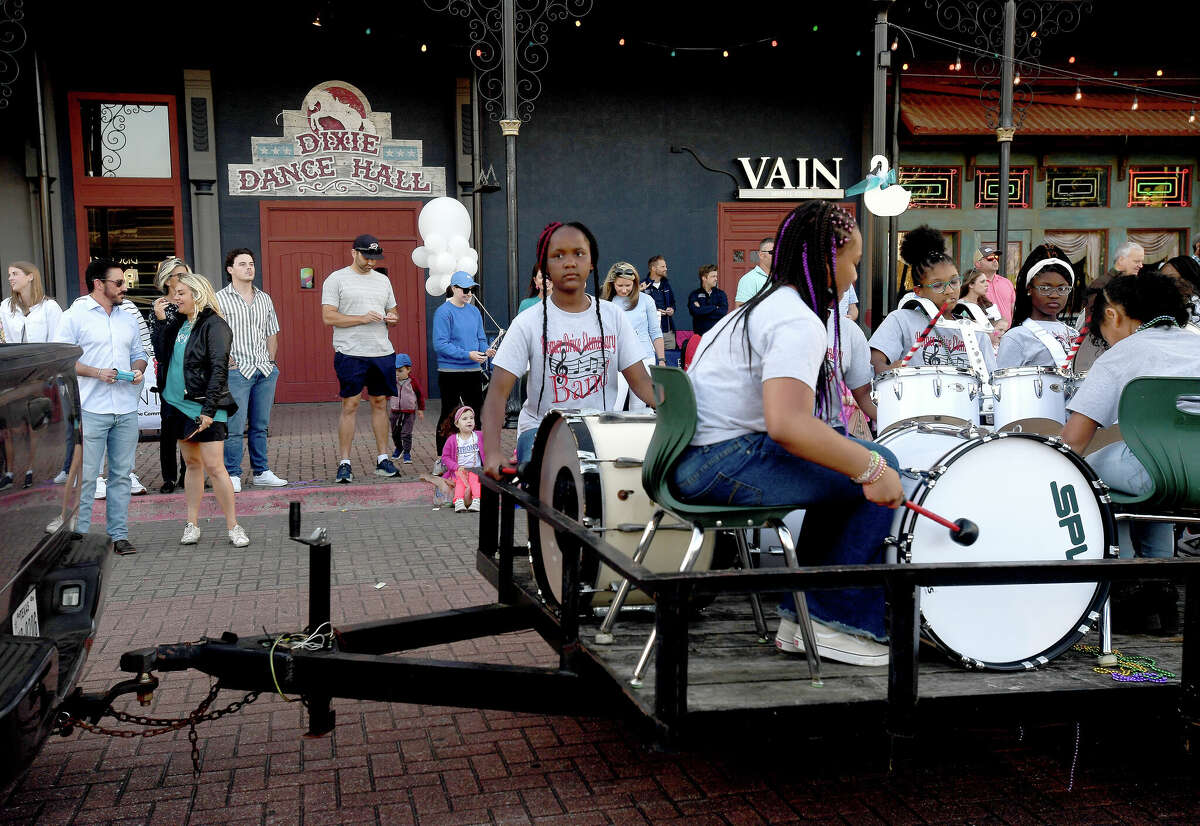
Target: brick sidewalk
404 764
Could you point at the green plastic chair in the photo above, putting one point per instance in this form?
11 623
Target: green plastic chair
1165 438
673 430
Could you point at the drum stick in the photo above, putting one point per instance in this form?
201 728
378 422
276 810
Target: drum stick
924 333
1076 344
962 531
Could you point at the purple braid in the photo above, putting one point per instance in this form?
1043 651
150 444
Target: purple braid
837 325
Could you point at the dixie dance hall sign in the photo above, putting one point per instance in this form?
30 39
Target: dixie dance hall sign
335 145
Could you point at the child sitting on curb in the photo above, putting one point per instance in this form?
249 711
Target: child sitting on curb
463 457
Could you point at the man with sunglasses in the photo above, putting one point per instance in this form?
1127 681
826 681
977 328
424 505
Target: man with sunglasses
110 377
753 280
461 347
1000 291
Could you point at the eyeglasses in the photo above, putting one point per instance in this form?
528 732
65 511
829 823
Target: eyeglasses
1045 290
110 281
766 252
942 286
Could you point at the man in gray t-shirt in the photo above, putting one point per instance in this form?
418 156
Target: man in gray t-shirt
359 304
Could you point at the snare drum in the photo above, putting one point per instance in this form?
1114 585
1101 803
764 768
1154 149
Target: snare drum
1029 393
590 468
948 394
1047 505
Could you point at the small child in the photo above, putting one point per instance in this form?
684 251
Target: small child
463 456
404 408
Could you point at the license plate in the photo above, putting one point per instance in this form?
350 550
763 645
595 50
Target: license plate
25 618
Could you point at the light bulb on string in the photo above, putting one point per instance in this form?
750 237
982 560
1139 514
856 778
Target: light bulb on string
1078 93
1017 79
1135 104
1071 59
317 21
621 42
895 44
904 67
725 53
578 23
424 48
1159 73
774 43
368 31
672 52
1033 33
1192 116
958 63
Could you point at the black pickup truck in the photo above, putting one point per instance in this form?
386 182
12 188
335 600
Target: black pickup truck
51 582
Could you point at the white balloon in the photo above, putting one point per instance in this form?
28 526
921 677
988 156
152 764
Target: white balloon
435 242
420 257
470 251
445 282
444 262
431 286
458 245
445 216
468 265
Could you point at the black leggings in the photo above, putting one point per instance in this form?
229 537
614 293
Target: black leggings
457 389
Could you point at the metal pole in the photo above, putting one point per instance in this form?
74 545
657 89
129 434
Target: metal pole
49 278
876 296
893 268
510 126
1004 132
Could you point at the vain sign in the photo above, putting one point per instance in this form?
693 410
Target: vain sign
790 179
335 145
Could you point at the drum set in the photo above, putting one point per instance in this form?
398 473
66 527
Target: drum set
1030 495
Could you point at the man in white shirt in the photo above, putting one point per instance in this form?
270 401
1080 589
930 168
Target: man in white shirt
110 375
753 281
250 313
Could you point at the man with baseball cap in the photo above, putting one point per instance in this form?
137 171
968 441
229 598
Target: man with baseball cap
461 347
359 304
1000 291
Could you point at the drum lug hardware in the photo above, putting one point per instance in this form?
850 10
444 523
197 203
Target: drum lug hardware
624 494
937 387
996 388
898 389
1037 386
625 461
1056 388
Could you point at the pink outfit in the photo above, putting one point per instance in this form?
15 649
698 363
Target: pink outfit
450 455
1003 294
466 480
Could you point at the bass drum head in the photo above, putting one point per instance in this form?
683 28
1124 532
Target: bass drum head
1031 501
1042 427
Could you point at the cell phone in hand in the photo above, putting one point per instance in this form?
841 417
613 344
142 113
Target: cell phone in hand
199 427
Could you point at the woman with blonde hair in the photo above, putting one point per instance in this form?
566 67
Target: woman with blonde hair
164 313
623 287
196 398
27 315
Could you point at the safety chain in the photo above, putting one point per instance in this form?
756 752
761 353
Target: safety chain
159 725
1130 668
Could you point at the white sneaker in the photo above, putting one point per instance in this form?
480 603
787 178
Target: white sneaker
832 644
57 523
136 488
474 505
1189 542
61 478
460 506
237 537
191 534
101 488
237 483
269 479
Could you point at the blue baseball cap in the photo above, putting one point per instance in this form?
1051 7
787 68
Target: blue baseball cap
402 360
461 279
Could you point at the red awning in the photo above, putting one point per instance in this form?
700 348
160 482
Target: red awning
1096 115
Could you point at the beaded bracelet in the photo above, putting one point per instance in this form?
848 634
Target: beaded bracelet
873 465
879 471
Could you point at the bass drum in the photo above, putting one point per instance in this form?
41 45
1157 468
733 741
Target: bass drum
1033 499
590 468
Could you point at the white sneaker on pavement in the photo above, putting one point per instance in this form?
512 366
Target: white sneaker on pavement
237 537
136 488
269 479
832 644
101 488
460 506
191 534
474 505
237 483
57 523
61 478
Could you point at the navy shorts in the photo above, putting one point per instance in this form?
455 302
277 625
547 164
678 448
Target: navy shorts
376 373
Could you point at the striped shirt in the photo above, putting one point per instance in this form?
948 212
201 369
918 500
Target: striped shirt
252 324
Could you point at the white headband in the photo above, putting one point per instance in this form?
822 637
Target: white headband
1041 265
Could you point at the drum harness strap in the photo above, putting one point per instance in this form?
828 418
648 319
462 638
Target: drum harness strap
1048 341
966 329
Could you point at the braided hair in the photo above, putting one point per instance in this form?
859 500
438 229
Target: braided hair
923 249
806 246
543 254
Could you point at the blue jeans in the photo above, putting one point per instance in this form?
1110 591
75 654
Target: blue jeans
1116 465
116 434
525 445
755 470
254 397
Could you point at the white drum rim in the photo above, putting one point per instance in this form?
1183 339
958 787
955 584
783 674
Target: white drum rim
1086 622
927 369
1028 370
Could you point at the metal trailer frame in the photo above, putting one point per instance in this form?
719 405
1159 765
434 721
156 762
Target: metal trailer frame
359 661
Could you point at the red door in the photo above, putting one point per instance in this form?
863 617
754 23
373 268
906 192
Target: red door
302 243
741 226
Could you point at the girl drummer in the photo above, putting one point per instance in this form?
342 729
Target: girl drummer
935 279
762 387
1038 338
572 348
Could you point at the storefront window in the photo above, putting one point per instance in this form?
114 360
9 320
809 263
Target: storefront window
125 140
932 187
137 238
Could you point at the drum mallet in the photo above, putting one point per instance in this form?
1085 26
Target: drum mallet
924 334
962 531
1076 344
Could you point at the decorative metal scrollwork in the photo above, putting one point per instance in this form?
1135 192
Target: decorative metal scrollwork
112 134
485 25
13 38
983 22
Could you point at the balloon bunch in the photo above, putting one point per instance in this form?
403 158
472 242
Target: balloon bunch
445 226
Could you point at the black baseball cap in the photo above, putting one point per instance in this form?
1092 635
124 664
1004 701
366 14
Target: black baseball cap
368 245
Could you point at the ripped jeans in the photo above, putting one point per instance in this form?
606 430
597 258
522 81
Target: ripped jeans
841 528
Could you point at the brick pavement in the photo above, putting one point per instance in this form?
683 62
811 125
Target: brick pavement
410 764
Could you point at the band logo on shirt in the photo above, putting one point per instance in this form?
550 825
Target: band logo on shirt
941 351
576 365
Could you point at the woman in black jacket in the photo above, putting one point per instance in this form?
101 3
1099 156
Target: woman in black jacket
196 398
